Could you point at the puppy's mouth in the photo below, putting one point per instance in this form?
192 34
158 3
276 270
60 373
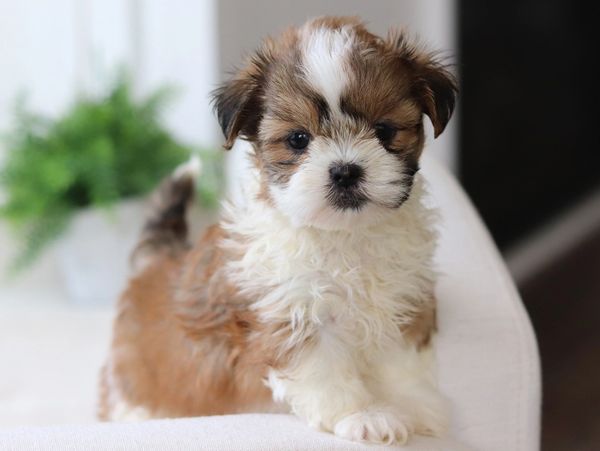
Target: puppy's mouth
346 199
344 190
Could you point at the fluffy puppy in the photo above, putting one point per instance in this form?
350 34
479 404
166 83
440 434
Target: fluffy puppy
315 292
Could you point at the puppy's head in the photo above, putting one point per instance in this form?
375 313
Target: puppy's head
335 114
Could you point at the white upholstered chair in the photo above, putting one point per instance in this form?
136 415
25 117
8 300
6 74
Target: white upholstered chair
488 366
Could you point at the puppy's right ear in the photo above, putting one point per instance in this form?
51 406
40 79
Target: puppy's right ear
239 101
434 86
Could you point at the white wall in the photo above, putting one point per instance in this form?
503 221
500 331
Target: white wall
37 54
179 46
51 50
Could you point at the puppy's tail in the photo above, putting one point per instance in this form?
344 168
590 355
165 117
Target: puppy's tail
166 229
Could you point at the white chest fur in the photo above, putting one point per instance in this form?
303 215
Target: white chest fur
351 290
362 283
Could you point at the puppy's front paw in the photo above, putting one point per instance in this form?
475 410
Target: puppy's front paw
374 426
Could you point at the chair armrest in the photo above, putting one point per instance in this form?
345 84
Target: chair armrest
487 352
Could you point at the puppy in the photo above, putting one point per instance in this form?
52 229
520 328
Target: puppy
315 292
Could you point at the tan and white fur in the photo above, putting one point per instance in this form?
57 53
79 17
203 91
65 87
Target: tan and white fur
315 292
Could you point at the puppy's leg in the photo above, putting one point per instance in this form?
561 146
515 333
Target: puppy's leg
324 385
404 373
405 378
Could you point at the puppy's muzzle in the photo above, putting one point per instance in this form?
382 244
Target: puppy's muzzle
344 188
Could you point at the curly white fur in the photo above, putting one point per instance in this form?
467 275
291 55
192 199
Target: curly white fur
352 290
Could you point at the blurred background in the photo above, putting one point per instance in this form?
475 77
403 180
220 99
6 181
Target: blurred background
100 98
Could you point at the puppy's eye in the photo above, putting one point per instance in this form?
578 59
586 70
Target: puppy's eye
298 140
384 132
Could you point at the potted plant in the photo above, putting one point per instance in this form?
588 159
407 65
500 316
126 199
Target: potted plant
80 178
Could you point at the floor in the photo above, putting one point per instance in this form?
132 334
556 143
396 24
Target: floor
563 301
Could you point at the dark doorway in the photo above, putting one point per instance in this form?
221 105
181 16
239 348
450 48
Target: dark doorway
528 150
529 132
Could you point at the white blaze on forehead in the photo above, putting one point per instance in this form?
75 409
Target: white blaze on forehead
325 54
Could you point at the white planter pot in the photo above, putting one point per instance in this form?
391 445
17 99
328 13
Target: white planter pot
93 256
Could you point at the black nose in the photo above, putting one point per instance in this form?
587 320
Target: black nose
345 175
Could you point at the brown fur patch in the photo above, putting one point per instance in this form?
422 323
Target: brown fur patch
166 230
185 342
423 325
182 343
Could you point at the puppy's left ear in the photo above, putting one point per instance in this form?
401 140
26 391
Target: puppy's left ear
239 101
434 86
436 89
